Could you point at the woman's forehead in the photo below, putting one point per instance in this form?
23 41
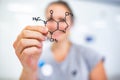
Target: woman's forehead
58 10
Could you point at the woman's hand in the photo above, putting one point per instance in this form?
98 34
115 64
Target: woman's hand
28 47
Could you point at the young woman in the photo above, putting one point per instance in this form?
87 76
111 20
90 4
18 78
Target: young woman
69 61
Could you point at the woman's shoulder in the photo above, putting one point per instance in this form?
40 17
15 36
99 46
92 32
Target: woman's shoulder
86 51
90 56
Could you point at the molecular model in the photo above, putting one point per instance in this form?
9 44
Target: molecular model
57 23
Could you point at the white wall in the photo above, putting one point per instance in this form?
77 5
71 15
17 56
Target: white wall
101 21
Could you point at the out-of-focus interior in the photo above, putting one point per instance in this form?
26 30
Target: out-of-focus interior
97 25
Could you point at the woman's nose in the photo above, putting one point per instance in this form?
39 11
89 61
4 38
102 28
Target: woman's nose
52 25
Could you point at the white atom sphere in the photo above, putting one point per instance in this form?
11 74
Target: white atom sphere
47 70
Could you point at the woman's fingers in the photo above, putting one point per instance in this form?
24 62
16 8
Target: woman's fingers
43 30
32 32
33 35
25 43
28 45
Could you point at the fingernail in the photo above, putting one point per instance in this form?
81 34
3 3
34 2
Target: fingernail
44 38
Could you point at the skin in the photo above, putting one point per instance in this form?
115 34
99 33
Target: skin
28 46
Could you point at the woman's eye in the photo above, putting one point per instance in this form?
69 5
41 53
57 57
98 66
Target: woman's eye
50 19
62 20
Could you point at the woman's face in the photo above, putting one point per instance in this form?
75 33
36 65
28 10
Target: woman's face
58 22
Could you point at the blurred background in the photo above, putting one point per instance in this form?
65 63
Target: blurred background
97 25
